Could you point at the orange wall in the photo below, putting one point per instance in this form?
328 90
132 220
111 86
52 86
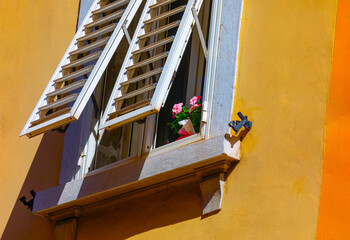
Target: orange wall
334 216
33 37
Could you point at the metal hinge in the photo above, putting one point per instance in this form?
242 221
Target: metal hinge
205 111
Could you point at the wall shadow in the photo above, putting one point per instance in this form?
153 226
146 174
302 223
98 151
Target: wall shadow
167 207
138 216
43 173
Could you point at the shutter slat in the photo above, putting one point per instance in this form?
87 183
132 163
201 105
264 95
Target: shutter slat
130 108
60 102
110 6
136 92
161 3
148 61
142 76
50 116
108 18
83 60
147 33
75 74
98 33
91 46
160 30
68 88
165 15
154 45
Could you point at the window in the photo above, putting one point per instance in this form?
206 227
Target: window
164 51
153 57
137 138
186 161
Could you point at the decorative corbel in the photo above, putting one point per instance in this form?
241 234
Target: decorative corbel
66 223
66 229
212 191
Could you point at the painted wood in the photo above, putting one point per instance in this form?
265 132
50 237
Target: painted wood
172 61
61 75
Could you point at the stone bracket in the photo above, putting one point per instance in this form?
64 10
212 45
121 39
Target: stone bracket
212 191
66 229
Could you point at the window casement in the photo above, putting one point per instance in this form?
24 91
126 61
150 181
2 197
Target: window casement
151 62
136 139
153 57
169 34
82 66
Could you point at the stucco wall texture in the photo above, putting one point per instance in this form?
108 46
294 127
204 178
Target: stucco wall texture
334 217
284 75
33 37
274 192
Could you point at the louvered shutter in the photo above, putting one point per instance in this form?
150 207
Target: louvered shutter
151 62
82 66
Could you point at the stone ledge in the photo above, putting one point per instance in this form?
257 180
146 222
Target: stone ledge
191 163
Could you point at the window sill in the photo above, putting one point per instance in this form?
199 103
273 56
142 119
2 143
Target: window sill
175 145
205 162
171 146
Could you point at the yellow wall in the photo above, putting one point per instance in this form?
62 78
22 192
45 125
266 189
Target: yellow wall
334 215
33 37
274 192
285 71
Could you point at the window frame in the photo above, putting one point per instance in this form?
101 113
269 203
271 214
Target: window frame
148 130
158 98
128 180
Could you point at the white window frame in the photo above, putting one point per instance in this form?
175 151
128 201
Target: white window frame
126 179
148 148
164 82
205 100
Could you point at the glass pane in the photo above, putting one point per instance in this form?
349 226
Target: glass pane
187 84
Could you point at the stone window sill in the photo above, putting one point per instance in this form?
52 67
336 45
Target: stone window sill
205 162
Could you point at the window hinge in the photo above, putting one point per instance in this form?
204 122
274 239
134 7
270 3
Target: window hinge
205 111
237 125
29 204
82 156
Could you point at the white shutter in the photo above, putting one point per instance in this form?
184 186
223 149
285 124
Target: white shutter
143 82
82 66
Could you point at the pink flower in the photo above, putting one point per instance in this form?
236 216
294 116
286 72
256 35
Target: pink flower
177 108
195 106
194 100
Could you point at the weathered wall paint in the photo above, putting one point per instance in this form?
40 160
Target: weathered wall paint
274 192
33 37
334 215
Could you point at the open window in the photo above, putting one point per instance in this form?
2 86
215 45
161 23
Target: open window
152 61
129 158
139 78
164 63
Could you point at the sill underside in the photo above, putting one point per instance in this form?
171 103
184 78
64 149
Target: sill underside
176 167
